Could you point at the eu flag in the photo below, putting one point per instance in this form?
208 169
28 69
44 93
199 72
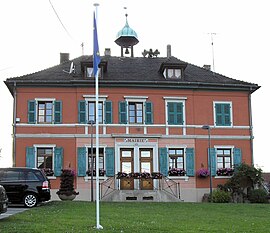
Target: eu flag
96 56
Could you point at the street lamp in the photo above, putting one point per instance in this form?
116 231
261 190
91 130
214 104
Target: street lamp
92 122
207 127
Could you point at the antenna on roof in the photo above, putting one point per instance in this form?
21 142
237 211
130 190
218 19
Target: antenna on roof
213 55
71 69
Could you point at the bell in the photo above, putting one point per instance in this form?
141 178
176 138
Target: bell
126 52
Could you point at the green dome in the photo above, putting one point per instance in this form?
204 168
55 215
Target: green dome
127 31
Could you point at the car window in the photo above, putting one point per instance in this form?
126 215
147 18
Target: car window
12 175
30 176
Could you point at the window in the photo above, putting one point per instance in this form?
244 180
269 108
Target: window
44 158
92 112
172 73
175 115
176 158
101 162
44 111
89 72
135 112
224 158
223 113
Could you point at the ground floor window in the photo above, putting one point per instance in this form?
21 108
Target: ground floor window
45 158
176 162
224 158
102 171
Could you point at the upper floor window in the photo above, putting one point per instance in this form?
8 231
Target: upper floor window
175 113
44 111
172 73
135 110
87 110
223 113
92 112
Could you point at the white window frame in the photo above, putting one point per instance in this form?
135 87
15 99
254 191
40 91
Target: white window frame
36 146
87 157
224 147
92 98
136 99
44 100
231 113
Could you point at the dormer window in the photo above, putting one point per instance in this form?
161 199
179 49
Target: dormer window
172 73
89 72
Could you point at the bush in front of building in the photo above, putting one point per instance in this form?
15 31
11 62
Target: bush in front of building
258 196
220 196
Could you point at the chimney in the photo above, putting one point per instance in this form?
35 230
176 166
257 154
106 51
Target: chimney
64 57
207 67
107 52
169 50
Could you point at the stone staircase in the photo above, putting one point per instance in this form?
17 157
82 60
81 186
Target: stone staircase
140 196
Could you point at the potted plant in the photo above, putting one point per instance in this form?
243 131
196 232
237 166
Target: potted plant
102 172
203 172
67 191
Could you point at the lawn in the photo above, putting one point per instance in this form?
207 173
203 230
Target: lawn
79 216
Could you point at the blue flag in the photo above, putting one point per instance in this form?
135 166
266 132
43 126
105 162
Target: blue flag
96 56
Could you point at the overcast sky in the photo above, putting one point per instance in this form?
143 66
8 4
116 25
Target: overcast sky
32 38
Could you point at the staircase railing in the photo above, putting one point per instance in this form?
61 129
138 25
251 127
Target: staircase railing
170 186
107 187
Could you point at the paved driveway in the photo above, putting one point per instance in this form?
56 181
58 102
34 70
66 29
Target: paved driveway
12 210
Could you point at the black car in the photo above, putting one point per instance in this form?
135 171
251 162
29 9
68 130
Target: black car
25 185
3 200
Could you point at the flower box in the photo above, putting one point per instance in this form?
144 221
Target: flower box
102 172
225 172
177 172
48 171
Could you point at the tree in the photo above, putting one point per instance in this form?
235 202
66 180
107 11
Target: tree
244 179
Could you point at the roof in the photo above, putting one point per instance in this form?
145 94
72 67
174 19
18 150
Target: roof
136 71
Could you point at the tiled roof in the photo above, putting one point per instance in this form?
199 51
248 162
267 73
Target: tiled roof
138 70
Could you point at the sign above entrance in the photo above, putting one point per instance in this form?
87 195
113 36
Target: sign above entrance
135 139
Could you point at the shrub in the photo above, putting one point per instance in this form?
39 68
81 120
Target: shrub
220 196
258 196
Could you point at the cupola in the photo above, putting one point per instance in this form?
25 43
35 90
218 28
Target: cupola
126 39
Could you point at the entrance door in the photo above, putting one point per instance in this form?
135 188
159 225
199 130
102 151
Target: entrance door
126 160
146 165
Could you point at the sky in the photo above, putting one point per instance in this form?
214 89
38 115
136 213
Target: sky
32 38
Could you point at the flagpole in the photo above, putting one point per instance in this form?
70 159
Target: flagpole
98 226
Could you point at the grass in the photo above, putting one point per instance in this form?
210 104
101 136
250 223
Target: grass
145 217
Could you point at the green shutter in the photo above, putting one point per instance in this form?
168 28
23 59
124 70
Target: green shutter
31 111
58 161
81 161
58 112
108 112
148 113
175 113
82 112
163 161
109 160
223 114
171 113
237 157
30 157
179 113
213 161
190 161
123 112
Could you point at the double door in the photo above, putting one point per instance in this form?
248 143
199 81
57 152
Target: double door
143 164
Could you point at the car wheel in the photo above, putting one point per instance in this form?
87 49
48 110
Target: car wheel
30 200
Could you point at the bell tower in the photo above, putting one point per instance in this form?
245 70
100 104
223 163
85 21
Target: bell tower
126 39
